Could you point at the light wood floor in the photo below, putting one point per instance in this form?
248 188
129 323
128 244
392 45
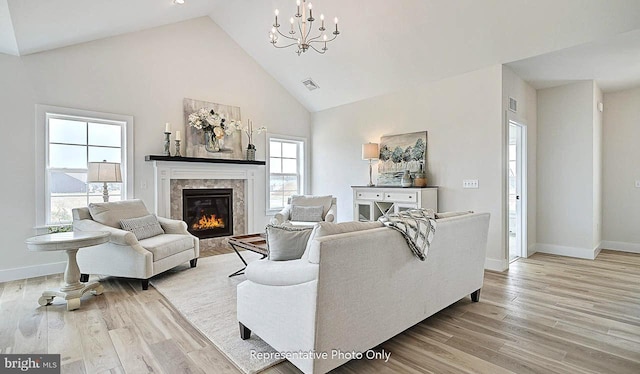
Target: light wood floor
547 314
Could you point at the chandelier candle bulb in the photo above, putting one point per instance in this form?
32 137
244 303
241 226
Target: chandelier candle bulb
310 19
276 24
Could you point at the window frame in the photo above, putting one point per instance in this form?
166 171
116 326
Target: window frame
46 112
303 166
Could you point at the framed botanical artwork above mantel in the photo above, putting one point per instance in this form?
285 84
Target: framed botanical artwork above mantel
399 153
205 144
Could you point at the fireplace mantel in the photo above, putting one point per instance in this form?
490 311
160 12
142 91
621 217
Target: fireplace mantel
200 159
167 170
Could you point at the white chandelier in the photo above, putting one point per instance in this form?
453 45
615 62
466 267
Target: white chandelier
301 27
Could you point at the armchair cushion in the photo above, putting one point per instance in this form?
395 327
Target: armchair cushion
142 227
286 242
305 200
110 214
307 213
162 246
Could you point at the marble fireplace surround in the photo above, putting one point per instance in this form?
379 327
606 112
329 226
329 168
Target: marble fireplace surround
211 175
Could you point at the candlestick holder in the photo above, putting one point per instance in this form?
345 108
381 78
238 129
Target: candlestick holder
167 144
177 154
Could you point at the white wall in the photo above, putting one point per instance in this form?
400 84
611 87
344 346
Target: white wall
144 74
621 199
513 86
17 159
566 170
463 116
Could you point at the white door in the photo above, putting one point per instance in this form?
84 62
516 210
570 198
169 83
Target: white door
517 191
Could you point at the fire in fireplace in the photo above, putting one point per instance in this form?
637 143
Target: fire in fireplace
208 212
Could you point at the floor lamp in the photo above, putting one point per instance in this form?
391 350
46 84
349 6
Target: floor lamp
370 152
104 172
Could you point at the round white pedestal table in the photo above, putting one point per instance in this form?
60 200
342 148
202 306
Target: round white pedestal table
71 290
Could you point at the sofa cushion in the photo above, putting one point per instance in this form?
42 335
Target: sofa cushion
110 214
452 214
306 213
142 227
329 228
305 200
286 242
166 245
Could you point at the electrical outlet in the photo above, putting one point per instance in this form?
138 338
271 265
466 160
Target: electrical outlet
638 184
470 183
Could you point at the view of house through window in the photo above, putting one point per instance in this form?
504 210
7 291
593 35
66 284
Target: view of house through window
72 143
286 170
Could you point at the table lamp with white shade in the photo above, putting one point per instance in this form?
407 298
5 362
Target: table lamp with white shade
105 172
370 152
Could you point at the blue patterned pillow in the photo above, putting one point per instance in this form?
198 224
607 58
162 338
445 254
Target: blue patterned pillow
142 227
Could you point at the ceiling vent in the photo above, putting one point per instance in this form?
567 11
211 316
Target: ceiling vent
513 105
310 84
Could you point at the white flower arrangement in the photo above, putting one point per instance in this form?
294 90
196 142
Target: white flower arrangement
208 120
250 130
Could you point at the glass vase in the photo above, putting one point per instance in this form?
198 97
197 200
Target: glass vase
251 152
211 143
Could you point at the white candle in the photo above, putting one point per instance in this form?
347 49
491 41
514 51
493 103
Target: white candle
167 127
178 135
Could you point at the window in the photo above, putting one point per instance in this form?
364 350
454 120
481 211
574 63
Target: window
70 142
286 169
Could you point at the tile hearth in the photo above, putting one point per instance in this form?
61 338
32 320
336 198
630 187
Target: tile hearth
239 215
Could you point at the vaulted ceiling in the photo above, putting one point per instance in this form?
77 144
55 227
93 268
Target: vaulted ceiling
384 46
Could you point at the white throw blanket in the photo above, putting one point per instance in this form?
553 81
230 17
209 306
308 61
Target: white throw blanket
418 226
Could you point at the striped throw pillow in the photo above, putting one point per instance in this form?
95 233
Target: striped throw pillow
142 227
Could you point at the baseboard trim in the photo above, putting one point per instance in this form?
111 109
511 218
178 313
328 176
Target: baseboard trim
495 264
561 250
621 246
531 250
7 275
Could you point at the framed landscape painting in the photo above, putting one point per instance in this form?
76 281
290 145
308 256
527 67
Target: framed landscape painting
399 153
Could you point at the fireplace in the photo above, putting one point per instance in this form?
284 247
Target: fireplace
208 212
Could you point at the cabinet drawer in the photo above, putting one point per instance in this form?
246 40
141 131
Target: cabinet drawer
403 197
369 195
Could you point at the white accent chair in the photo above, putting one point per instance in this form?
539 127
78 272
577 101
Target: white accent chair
126 256
328 213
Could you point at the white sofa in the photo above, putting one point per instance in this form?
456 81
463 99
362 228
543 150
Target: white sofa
126 256
352 291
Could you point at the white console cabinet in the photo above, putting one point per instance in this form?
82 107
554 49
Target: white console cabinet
369 203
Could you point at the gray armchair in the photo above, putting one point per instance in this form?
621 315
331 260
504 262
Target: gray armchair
126 256
329 211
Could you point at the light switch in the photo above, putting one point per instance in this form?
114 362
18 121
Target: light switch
638 184
470 183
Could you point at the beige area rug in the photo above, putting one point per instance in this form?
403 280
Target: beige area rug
206 297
